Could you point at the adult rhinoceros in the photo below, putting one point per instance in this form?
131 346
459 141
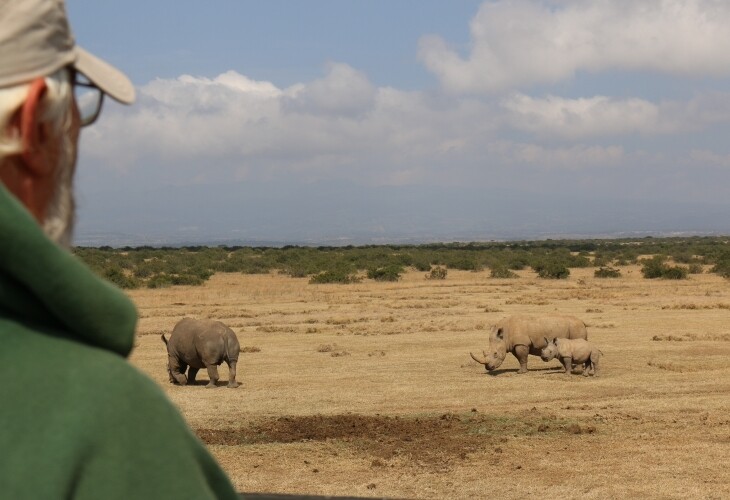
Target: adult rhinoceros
522 335
201 343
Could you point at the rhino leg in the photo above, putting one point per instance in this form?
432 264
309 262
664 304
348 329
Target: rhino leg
213 375
177 372
595 362
567 364
180 378
232 375
521 352
192 372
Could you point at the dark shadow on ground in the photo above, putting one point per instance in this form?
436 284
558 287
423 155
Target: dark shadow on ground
494 373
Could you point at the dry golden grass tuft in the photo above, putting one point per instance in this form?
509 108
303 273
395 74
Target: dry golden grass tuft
368 389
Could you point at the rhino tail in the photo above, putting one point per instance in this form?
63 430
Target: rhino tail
226 346
163 338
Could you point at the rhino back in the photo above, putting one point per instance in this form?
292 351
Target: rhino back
198 342
215 342
532 330
578 349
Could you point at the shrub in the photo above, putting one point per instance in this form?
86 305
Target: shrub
159 281
552 270
422 265
387 273
607 272
463 263
437 273
502 272
722 266
187 279
656 268
334 276
117 276
674 273
695 269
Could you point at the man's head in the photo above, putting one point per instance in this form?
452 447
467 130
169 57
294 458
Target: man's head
42 72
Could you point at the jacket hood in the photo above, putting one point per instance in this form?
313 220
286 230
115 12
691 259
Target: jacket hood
48 287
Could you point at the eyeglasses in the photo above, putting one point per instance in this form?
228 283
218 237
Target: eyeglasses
89 99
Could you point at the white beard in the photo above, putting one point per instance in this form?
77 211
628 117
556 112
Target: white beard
61 211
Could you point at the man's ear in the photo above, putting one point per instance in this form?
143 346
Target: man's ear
34 133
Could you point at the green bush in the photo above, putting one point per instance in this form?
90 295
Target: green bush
722 266
607 272
388 273
437 273
462 263
674 273
187 279
334 276
656 268
653 268
422 265
159 281
552 270
502 272
117 276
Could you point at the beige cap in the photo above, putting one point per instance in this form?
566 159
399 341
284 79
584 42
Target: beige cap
36 40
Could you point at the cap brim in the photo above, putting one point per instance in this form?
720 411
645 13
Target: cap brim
105 76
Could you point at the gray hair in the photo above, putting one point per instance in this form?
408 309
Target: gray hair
57 111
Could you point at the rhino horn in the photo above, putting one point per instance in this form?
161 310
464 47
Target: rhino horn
484 362
163 338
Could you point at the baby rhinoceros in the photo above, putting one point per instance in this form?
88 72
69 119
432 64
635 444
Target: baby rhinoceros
201 343
573 352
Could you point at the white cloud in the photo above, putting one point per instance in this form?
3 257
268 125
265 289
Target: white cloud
587 117
343 91
517 43
603 116
231 127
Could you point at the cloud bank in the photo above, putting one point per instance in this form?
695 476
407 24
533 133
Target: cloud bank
484 125
518 43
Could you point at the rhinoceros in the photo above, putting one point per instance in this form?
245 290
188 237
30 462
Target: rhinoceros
573 351
522 335
201 343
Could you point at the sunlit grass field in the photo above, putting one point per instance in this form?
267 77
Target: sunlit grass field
368 389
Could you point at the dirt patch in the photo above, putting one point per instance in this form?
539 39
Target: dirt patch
250 349
691 337
438 440
672 367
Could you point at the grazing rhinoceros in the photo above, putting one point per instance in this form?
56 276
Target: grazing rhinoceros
522 335
201 343
573 351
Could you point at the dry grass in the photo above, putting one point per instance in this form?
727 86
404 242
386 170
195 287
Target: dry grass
368 389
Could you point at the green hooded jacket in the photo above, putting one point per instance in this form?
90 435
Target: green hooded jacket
76 419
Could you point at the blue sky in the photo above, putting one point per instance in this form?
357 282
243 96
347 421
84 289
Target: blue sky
353 121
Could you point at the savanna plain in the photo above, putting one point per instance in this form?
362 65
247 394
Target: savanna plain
368 389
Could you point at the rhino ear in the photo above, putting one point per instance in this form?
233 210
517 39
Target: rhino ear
500 333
